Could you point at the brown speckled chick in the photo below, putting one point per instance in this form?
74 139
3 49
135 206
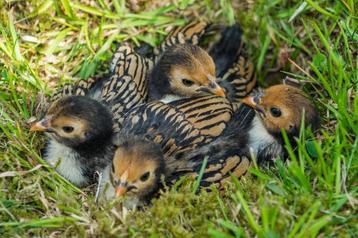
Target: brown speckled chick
183 71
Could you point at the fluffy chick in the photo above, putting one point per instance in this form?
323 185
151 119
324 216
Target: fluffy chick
280 107
136 171
183 71
80 132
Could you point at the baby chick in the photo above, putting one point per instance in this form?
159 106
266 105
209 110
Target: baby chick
183 70
136 170
280 107
80 132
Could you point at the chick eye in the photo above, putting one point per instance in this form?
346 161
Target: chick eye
144 177
275 112
67 129
187 82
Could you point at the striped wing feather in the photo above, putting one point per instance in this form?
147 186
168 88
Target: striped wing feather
185 143
239 81
80 88
190 33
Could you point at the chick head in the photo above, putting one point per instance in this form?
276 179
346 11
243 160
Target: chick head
136 168
283 107
75 120
189 70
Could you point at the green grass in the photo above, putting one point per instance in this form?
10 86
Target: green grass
48 42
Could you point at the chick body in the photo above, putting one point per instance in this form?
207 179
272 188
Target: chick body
198 124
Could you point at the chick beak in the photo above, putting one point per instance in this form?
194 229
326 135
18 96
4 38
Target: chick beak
253 102
250 101
41 126
214 87
121 190
219 91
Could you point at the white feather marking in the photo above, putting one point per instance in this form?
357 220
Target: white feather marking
170 98
259 137
64 160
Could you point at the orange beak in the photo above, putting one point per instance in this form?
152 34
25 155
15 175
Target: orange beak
254 102
120 191
250 101
40 125
219 92
214 88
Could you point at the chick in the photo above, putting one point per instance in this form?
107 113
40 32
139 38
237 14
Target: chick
183 70
280 107
136 170
80 132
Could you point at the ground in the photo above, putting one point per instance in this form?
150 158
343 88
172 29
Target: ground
48 42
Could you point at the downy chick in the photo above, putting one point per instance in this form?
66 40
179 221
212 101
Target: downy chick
179 142
280 107
183 71
80 132
137 168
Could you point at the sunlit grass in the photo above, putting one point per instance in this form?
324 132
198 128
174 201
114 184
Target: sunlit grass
47 43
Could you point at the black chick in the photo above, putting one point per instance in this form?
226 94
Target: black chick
78 146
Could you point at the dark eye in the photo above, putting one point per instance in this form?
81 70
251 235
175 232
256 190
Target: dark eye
144 177
187 82
275 112
67 129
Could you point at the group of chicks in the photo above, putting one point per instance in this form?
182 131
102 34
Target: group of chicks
162 112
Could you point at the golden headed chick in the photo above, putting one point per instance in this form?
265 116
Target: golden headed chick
280 107
80 132
183 71
136 170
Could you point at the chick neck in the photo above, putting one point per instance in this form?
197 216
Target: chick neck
264 145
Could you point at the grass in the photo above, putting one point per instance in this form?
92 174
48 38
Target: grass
49 42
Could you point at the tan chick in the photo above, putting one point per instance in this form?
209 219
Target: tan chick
280 107
183 71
